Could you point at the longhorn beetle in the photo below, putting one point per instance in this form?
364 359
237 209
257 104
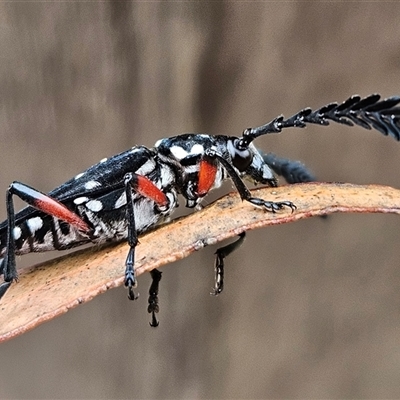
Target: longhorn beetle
131 192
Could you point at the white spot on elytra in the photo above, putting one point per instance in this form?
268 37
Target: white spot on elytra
80 200
178 152
79 175
121 201
34 224
17 232
158 142
92 184
197 149
94 205
103 160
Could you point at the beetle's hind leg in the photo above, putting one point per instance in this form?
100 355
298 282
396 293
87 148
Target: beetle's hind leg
219 264
41 202
153 306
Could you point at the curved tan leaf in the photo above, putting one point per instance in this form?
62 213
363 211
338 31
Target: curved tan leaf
52 288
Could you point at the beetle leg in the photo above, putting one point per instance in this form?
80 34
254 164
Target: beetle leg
153 307
41 202
245 194
220 255
142 185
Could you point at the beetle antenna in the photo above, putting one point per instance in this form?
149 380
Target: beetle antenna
369 112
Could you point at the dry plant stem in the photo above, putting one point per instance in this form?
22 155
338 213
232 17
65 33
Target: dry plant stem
51 289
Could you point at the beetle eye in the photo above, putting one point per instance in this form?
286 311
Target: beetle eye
241 158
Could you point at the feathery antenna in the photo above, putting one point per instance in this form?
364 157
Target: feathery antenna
369 112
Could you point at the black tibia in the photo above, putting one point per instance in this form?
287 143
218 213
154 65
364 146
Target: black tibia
130 278
220 255
153 307
9 266
242 189
293 171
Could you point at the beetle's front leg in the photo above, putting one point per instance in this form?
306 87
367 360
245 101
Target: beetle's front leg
244 192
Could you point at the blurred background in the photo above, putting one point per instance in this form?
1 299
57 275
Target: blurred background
310 309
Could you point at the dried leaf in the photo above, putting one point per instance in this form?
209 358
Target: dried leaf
52 288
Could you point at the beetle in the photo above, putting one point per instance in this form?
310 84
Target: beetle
123 196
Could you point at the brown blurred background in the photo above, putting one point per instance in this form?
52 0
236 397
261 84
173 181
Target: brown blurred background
310 309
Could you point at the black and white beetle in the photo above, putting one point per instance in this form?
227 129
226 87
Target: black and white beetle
127 194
